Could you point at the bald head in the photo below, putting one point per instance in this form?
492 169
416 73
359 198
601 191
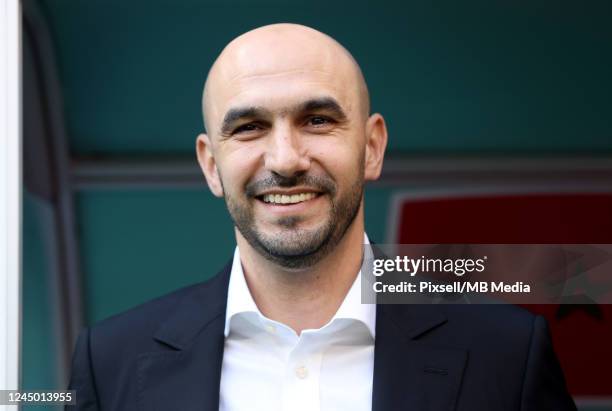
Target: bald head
287 56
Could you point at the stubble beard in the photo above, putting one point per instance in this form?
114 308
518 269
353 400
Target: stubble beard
294 247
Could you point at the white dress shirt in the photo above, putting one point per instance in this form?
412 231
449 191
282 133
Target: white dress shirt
268 367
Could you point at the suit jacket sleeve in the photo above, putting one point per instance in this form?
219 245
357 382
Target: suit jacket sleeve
82 378
544 385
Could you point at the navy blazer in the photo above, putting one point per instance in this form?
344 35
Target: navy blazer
167 354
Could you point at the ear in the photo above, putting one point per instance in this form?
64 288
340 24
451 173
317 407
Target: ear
208 164
376 143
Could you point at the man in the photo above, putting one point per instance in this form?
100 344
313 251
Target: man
289 144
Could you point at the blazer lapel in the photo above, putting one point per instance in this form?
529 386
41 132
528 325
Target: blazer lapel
409 373
186 374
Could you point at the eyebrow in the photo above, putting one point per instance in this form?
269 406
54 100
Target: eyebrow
323 104
328 104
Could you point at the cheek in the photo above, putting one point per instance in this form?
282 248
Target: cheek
237 165
341 160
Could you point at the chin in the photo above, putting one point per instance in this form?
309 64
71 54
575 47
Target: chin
297 244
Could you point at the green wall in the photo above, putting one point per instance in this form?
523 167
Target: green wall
449 76
39 362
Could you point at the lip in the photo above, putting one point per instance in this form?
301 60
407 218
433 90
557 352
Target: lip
291 209
290 191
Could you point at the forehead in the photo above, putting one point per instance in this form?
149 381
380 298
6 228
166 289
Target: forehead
270 54
279 91
276 74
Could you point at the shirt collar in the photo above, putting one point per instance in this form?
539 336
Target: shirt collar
239 299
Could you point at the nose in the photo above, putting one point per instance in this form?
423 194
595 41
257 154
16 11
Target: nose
285 154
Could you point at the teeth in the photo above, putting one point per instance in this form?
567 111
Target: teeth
288 199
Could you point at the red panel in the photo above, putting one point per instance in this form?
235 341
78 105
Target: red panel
516 219
582 337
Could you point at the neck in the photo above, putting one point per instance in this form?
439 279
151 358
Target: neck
305 298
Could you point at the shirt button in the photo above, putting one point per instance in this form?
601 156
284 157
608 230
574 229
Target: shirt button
271 329
301 372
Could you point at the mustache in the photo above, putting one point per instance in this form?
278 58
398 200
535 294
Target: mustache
323 184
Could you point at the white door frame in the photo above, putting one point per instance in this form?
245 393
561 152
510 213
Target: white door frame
10 193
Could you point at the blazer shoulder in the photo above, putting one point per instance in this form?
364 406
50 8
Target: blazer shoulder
136 326
496 327
490 314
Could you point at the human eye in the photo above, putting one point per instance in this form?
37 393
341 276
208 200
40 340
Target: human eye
319 121
246 128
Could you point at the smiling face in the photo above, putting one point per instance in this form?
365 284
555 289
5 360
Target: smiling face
289 141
